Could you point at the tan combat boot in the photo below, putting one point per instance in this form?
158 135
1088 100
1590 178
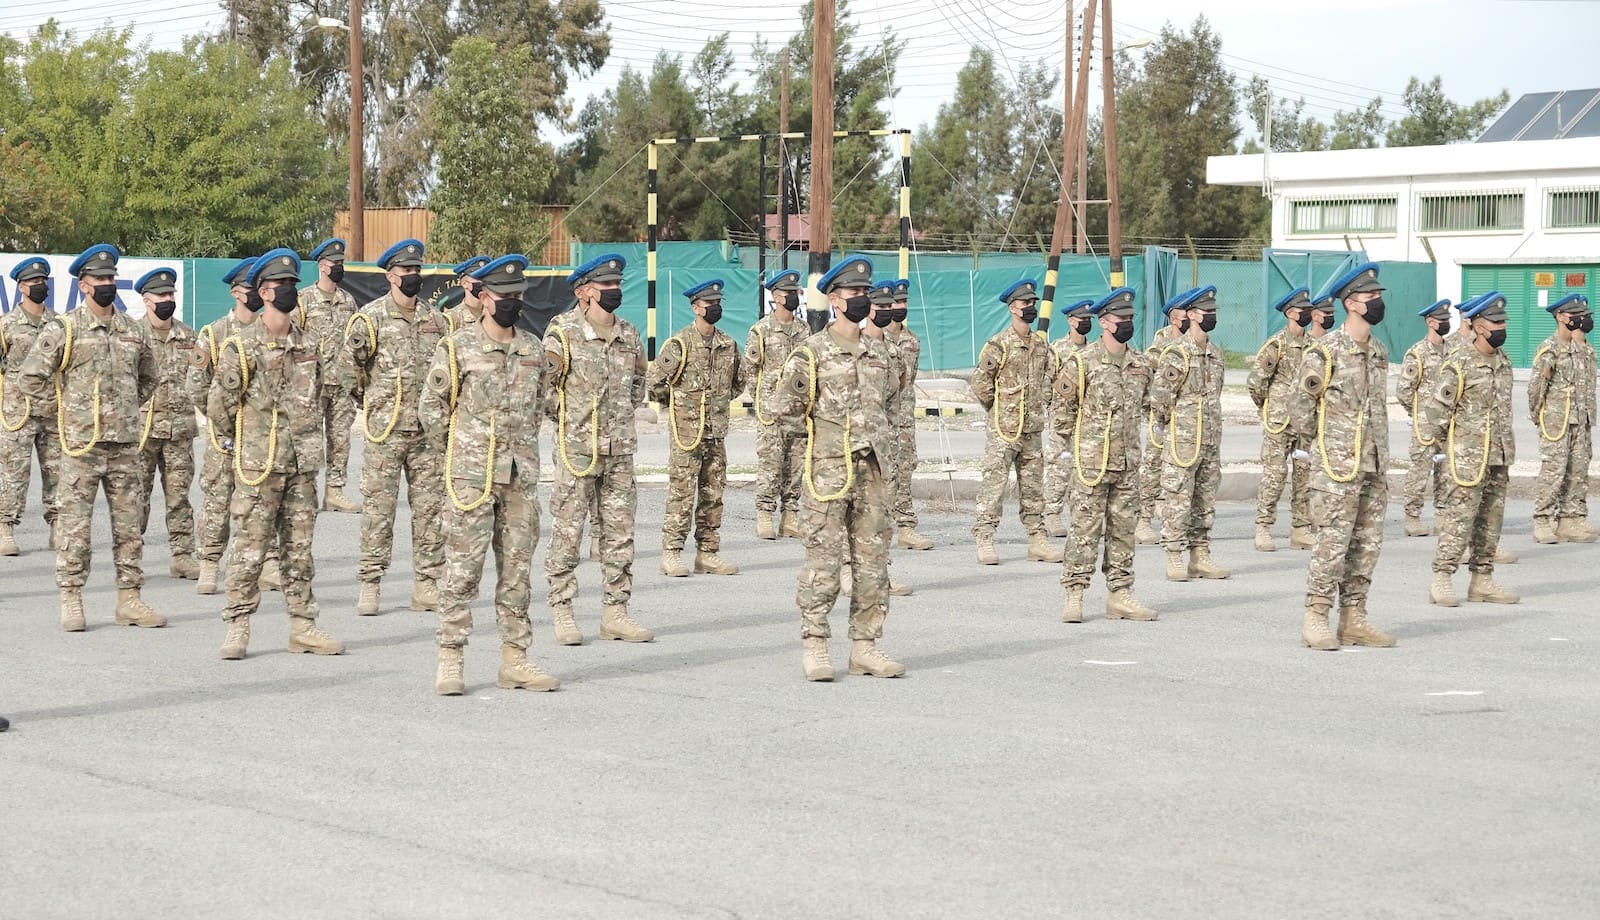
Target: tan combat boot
1415 527
616 624
334 500
1040 549
672 564
72 610
1201 565
814 659
183 566
1144 534
1544 532
1264 542
1483 589
986 553
133 611
789 525
1578 524
424 595
866 659
898 588
271 575
518 673
1314 630
707 562
765 528
1301 538
1442 593
370 598
237 642
1503 556
1122 605
448 680
208 578
8 541
1177 568
1574 530
306 636
1054 526
1355 630
910 539
566 625
1072 606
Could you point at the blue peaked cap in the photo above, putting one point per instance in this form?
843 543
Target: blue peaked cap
95 256
599 269
31 268
1299 297
471 266
239 272
1434 307
1571 299
789 275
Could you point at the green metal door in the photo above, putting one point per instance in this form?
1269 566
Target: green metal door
1528 288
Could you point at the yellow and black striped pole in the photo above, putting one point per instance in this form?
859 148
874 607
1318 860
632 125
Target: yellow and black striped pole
905 205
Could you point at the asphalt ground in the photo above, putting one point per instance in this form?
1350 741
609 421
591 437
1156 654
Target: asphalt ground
1205 765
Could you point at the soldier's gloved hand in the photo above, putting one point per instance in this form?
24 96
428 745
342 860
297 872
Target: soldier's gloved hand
1161 431
1438 458
227 445
1299 454
1064 455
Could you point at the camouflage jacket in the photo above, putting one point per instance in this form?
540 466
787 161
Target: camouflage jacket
845 388
98 362
461 314
1561 386
765 350
208 351
169 412
1012 381
1419 374
1100 402
1186 394
903 414
498 392
599 376
1474 395
386 355
1271 380
325 316
267 396
1163 336
1348 382
698 378
18 330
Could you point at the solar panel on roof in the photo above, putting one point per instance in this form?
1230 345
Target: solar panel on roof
1516 117
1547 116
1587 126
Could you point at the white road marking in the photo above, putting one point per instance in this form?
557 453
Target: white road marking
1457 693
1109 664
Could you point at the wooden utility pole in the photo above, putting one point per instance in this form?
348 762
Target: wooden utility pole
1069 143
1109 113
822 26
783 162
1067 114
358 222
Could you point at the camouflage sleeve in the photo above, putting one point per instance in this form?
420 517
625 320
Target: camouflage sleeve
749 367
1544 365
555 370
664 369
1066 397
1170 372
640 371
1263 369
356 353
913 353
42 362
1410 379
1438 406
983 376
433 405
227 390
793 391
1310 380
736 385
149 371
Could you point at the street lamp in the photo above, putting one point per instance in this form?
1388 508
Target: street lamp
356 245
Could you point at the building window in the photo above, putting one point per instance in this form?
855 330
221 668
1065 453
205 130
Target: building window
1573 208
1343 215
1492 211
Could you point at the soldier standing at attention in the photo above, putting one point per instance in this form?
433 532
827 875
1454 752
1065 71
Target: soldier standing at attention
166 437
482 407
1271 385
1186 395
695 376
1561 399
462 307
838 384
1341 412
101 369
1099 407
597 380
1012 381
1419 375
1150 466
389 344
29 425
325 310
903 418
1470 414
777 448
268 391
1057 459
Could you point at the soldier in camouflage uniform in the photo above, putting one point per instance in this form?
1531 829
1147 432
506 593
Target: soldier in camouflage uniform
325 311
267 391
166 439
461 306
1012 381
597 380
100 366
482 407
1341 412
1058 476
1419 375
1186 397
1561 399
388 345
837 388
1099 406
26 425
695 376
1150 465
1271 386
778 450
903 418
1469 412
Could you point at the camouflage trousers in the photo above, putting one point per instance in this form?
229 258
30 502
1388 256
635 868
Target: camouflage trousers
338 414
1057 472
37 434
695 481
1189 499
855 524
1104 513
1347 519
406 454
1421 475
509 522
1150 476
611 494
1563 490
1469 522
1277 467
905 467
120 471
1000 457
780 458
174 461
281 510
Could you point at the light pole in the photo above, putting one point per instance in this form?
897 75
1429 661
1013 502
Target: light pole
356 245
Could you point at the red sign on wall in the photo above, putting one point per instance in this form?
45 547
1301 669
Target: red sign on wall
1577 279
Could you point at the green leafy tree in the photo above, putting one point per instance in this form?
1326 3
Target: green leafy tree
968 155
1435 119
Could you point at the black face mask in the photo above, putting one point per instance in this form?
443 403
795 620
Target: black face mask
1029 314
789 300
1302 318
855 308
1374 314
475 288
881 318
898 314
285 298
253 301
1122 332
1326 321
1208 322
410 285
713 313
1587 324
37 292
104 294
336 273
1495 337
1080 326
164 309
506 311
1183 326
1440 328
611 299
